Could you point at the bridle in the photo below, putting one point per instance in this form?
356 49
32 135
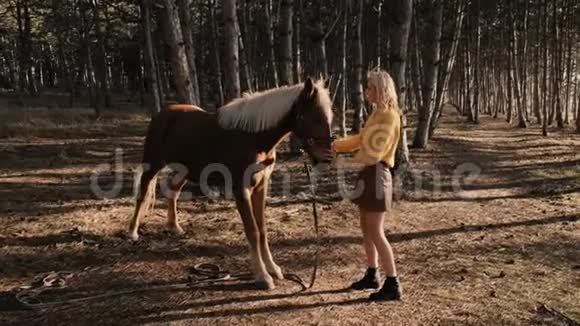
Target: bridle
310 140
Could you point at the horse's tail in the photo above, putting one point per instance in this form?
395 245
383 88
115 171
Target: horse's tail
155 138
138 174
153 157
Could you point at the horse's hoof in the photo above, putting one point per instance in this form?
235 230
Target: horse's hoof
265 284
276 272
176 229
134 236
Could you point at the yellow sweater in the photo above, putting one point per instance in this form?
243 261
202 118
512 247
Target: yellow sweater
377 141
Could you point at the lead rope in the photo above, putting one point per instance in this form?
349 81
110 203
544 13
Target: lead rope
315 216
205 273
294 277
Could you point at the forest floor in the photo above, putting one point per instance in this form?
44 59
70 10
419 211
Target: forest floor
499 247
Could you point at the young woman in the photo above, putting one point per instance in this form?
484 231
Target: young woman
376 145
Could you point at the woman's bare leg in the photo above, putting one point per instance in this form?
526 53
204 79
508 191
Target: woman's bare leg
375 228
368 243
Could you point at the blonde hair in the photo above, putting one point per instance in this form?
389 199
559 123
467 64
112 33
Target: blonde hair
385 86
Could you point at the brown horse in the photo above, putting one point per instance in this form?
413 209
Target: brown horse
239 143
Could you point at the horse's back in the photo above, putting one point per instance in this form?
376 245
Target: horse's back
184 108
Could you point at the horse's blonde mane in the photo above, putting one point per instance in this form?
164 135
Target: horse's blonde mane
264 110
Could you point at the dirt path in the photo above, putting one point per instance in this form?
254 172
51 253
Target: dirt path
489 234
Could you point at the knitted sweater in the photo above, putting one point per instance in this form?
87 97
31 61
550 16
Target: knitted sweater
377 141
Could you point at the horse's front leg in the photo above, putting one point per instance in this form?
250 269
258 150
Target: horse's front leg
244 205
259 204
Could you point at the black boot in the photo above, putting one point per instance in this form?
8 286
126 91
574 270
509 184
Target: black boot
369 281
391 290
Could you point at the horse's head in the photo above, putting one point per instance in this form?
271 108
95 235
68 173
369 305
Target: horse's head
313 121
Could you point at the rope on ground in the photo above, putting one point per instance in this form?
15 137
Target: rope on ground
30 296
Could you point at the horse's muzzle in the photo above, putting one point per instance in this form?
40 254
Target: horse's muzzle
319 154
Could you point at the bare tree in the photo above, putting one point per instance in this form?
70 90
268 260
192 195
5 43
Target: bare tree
273 71
186 28
216 55
557 54
431 63
318 35
401 12
245 75
286 14
545 72
177 51
514 88
232 70
296 44
448 63
357 88
344 71
103 65
150 63
577 104
477 63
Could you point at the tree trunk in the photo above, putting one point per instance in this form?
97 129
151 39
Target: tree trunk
319 41
86 70
245 75
186 28
416 65
21 49
286 14
577 104
102 61
448 65
537 58
357 88
32 87
524 64
545 72
232 69
272 67
296 45
477 64
24 82
178 54
245 78
401 11
431 63
514 71
569 57
379 33
344 71
148 54
558 64
468 77
216 55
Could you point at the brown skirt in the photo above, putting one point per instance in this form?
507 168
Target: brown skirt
374 189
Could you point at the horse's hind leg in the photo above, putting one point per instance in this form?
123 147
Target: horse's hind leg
176 183
144 200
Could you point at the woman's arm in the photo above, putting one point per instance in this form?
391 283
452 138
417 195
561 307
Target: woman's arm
347 144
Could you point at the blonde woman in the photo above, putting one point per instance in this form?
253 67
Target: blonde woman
376 145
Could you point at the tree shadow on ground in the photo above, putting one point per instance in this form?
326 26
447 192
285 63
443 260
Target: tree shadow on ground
103 250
